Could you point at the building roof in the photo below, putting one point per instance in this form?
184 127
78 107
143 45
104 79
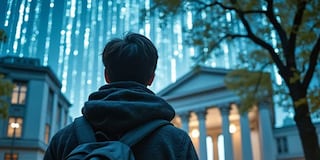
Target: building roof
199 79
13 64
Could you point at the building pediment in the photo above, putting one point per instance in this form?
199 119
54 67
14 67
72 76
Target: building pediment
200 88
199 79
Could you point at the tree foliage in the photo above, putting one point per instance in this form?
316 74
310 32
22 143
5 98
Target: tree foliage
282 34
6 87
3 36
242 82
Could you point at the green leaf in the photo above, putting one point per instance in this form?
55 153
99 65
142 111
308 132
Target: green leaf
314 99
3 36
6 88
250 86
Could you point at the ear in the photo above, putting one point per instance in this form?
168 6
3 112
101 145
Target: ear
151 79
106 77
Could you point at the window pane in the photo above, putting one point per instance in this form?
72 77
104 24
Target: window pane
23 87
47 134
14 127
50 106
19 129
58 116
22 98
10 129
14 98
15 94
65 118
7 156
23 92
19 93
16 87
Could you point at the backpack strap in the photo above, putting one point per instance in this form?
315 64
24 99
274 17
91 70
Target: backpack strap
84 131
134 136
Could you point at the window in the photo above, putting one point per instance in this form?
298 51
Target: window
65 118
282 145
47 134
58 116
50 106
7 156
15 127
19 93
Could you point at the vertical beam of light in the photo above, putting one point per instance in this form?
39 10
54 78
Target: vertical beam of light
24 29
86 51
18 27
189 20
173 70
226 57
8 14
47 44
35 28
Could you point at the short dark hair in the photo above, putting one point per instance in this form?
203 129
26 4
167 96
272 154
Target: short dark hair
133 58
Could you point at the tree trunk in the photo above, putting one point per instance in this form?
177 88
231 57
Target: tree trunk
307 131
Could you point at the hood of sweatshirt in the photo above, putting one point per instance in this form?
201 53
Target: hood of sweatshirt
120 106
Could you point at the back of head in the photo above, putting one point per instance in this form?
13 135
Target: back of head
133 58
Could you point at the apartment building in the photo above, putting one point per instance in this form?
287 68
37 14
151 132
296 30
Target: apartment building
37 109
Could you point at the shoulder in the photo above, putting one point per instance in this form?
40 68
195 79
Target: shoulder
170 132
169 135
179 141
62 143
170 128
64 134
167 142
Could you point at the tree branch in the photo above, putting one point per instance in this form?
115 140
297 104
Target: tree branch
293 33
262 43
281 32
274 55
260 78
269 13
254 12
312 64
215 3
226 36
257 40
296 24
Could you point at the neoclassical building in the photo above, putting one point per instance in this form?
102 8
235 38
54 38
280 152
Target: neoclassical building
208 111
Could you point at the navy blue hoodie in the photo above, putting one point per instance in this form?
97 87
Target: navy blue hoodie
119 107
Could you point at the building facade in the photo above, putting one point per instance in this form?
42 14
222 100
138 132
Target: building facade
208 111
37 109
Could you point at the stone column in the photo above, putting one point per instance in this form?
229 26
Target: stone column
266 134
245 137
201 114
228 149
185 116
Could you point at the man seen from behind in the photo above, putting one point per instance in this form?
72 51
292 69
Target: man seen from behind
125 103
